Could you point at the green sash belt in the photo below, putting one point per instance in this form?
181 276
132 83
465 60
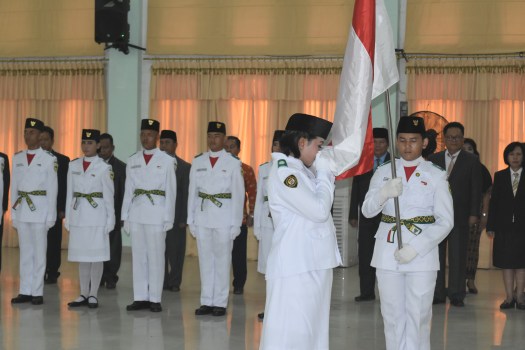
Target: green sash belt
213 198
25 195
88 196
148 193
410 224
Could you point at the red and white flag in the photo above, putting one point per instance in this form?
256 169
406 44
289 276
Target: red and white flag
369 68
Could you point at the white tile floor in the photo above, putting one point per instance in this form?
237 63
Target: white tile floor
480 325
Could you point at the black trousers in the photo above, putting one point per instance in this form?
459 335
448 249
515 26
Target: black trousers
457 242
112 266
174 256
365 250
239 258
54 247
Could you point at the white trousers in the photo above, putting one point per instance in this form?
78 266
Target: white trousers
32 238
297 312
148 245
406 306
215 257
265 243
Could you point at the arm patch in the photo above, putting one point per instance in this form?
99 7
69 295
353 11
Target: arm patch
291 181
281 163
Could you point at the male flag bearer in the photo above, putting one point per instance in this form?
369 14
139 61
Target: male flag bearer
215 209
148 211
34 209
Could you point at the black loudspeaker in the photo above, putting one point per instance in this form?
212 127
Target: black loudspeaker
111 21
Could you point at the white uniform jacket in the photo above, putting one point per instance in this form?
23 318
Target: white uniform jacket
157 179
261 215
224 178
304 238
89 198
425 195
2 165
40 178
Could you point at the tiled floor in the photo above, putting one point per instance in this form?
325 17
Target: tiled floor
480 325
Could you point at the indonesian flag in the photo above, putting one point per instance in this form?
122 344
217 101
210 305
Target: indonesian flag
369 68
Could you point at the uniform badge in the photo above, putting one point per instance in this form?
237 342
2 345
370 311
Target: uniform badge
32 123
424 183
291 181
281 162
111 175
88 134
55 167
150 122
418 174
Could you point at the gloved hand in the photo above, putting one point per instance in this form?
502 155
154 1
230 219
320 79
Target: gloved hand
392 188
66 224
405 254
235 231
167 226
321 162
256 233
193 230
126 227
50 224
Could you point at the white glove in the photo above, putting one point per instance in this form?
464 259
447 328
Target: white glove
126 228
392 188
193 230
167 226
235 231
256 231
66 224
321 163
50 224
405 254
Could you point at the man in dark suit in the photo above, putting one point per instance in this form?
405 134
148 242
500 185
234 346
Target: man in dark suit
464 177
176 237
111 267
54 235
367 227
7 179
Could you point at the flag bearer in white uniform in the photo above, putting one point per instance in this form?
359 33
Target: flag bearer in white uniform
148 211
215 210
90 216
407 277
304 247
262 219
34 189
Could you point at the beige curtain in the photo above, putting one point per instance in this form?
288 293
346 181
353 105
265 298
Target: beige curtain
67 96
487 95
253 97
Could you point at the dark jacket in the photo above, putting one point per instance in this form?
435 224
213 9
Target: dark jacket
504 206
119 180
7 181
183 182
63 166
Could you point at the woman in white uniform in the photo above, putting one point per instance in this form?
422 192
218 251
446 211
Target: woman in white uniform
406 277
262 219
304 248
90 216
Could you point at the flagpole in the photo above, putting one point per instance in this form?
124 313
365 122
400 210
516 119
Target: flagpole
393 167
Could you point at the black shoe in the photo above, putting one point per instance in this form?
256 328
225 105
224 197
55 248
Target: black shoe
155 307
111 284
92 302
50 280
83 302
509 304
438 301
219 311
360 298
21 298
457 302
37 300
260 316
204 310
238 290
138 305
471 286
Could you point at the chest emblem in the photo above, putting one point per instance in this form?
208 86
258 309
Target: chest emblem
291 181
418 174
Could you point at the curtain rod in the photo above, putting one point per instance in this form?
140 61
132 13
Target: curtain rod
49 59
407 55
239 58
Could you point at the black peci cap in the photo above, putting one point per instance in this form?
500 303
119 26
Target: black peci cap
216 126
91 134
308 123
380 133
32 123
150 124
411 125
168 134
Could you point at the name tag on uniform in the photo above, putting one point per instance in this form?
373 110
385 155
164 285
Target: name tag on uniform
136 166
224 171
265 177
201 169
76 173
93 175
39 164
19 165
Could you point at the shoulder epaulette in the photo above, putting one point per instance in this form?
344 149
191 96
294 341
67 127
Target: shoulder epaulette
281 163
264 163
234 156
132 154
437 166
19 151
198 155
75 159
51 154
385 163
